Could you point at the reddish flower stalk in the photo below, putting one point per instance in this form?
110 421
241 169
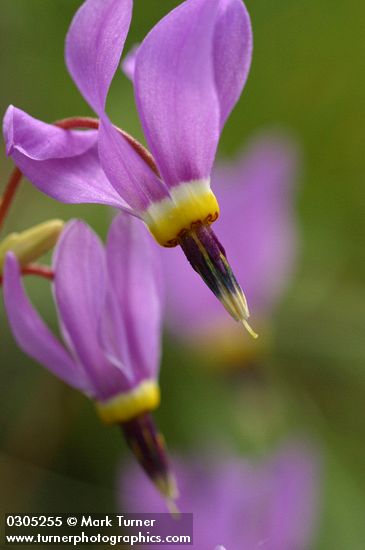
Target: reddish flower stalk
36 269
93 123
9 194
40 270
78 122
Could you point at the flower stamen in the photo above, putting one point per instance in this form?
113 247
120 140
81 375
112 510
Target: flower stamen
148 446
208 258
249 329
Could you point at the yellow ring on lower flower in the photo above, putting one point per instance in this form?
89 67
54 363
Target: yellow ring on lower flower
125 406
189 204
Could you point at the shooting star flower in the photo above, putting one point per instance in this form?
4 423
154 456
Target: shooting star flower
189 73
109 307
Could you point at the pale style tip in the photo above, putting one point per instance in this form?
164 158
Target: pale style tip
249 329
167 486
173 508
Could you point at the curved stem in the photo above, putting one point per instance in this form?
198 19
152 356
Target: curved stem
9 194
94 123
39 270
36 269
69 124
78 122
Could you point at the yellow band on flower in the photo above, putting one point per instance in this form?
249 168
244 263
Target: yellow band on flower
125 406
189 203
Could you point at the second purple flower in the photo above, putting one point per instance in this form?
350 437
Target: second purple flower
109 308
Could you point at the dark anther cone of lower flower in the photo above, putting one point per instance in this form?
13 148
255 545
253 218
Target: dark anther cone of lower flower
148 446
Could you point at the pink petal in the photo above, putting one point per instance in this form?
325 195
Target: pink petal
134 270
63 164
175 92
80 293
32 334
129 174
189 73
94 45
232 51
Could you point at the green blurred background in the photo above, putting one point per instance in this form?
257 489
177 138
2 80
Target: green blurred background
307 77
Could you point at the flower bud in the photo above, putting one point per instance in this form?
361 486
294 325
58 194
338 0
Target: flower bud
31 244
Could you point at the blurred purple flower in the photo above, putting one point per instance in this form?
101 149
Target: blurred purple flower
243 505
109 308
188 74
258 223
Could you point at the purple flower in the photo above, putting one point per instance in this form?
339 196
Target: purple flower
109 308
240 504
188 74
258 223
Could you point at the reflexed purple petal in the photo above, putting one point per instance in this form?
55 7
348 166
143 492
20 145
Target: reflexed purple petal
63 164
40 141
80 293
32 334
80 285
74 180
114 339
94 45
176 94
257 227
130 175
128 64
93 48
134 269
232 53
